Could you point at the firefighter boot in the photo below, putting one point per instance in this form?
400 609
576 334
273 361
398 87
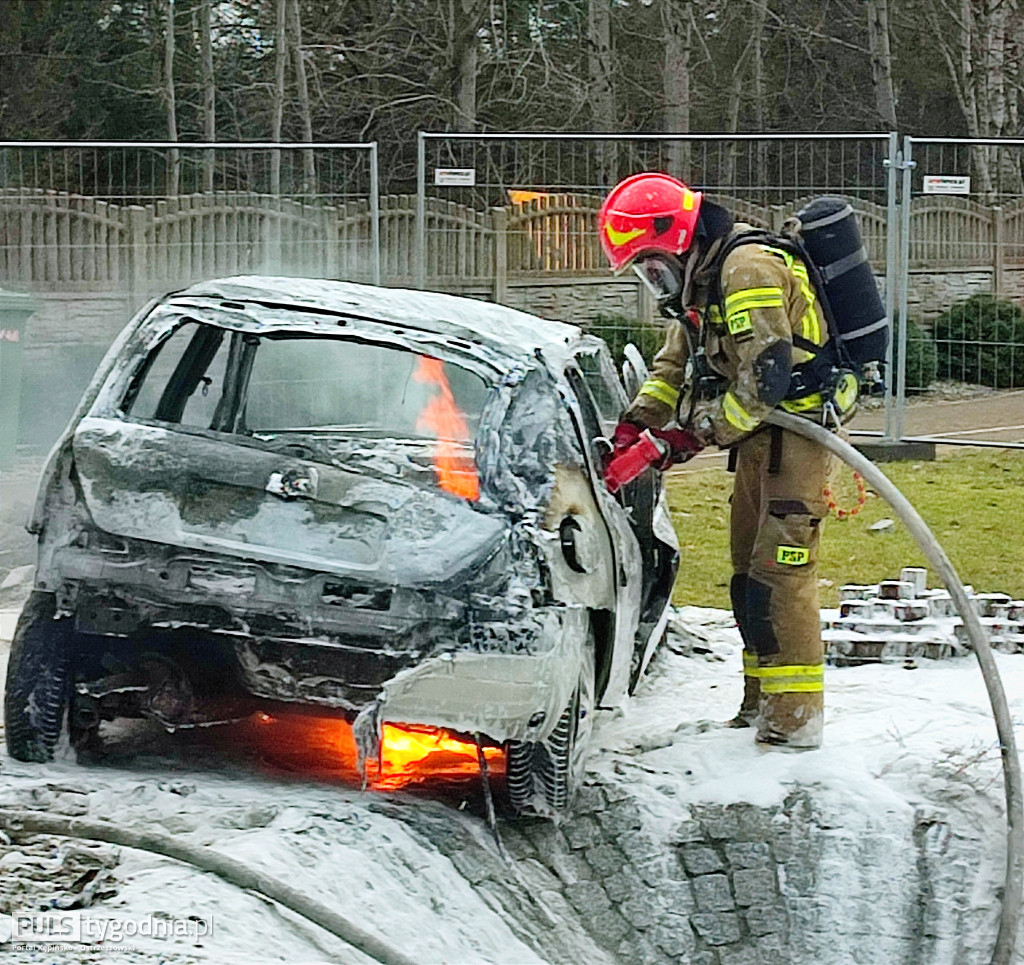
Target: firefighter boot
746 716
791 720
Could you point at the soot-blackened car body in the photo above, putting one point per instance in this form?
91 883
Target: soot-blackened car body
381 503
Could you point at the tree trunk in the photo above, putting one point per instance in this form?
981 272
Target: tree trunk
295 30
277 113
760 102
209 92
602 94
881 62
466 19
676 27
752 32
173 156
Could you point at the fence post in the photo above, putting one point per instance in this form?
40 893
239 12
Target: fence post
998 256
137 273
499 221
420 245
329 223
778 217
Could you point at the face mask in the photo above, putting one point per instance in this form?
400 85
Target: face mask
663 276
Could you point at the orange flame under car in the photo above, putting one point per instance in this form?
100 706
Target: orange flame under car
408 755
456 473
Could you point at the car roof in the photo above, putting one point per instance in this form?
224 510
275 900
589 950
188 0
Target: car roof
513 333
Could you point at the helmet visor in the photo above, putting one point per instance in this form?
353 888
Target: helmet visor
661 274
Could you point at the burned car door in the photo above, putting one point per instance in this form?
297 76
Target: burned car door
644 505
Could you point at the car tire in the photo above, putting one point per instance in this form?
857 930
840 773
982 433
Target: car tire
543 776
38 689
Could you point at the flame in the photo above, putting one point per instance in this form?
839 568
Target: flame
410 755
455 472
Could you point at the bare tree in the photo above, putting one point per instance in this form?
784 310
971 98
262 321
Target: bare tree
749 54
466 19
277 110
173 156
881 61
209 91
295 32
977 39
677 25
602 92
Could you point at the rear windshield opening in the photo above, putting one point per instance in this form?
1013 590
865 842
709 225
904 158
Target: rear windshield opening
352 387
210 378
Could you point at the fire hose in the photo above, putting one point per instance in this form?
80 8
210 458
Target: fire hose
206 859
1012 891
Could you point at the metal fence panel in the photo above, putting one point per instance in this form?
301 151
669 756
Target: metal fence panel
962 269
151 216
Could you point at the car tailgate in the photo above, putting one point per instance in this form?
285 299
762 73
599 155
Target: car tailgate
201 492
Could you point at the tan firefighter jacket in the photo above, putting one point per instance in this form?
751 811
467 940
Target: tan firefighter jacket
767 298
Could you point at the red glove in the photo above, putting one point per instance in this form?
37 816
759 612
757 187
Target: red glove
624 436
683 445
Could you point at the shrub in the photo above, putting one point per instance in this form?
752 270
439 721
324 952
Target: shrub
922 358
981 340
618 330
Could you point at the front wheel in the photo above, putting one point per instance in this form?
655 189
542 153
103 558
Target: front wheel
38 689
544 776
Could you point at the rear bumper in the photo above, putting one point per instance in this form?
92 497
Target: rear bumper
507 696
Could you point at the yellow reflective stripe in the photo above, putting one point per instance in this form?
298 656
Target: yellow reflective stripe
810 328
688 200
791 670
784 255
806 404
797 687
746 298
750 664
660 390
736 415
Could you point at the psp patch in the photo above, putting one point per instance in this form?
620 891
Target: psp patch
740 326
792 555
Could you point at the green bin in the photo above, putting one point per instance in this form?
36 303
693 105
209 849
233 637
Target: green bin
14 312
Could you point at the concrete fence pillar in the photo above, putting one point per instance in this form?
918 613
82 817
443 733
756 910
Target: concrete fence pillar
499 222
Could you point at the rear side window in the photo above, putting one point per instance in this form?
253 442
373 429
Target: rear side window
358 388
184 378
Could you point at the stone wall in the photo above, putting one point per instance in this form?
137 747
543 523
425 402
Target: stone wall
800 883
931 292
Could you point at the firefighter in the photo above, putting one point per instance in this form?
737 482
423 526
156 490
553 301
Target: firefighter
753 313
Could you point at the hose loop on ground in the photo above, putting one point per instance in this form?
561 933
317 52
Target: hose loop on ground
206 859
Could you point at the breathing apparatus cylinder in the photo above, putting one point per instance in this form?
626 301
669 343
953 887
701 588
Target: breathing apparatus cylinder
832 238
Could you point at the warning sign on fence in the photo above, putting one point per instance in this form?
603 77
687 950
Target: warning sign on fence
461 177
946 184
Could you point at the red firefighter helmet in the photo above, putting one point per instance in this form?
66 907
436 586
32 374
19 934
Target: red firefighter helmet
648 212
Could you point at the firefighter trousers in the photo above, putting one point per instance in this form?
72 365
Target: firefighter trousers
778 506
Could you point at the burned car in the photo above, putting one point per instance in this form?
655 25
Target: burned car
375 503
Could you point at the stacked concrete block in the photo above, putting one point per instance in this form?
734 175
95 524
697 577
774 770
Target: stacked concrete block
898 621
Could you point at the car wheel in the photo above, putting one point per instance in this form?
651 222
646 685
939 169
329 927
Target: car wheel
38 689
543 776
